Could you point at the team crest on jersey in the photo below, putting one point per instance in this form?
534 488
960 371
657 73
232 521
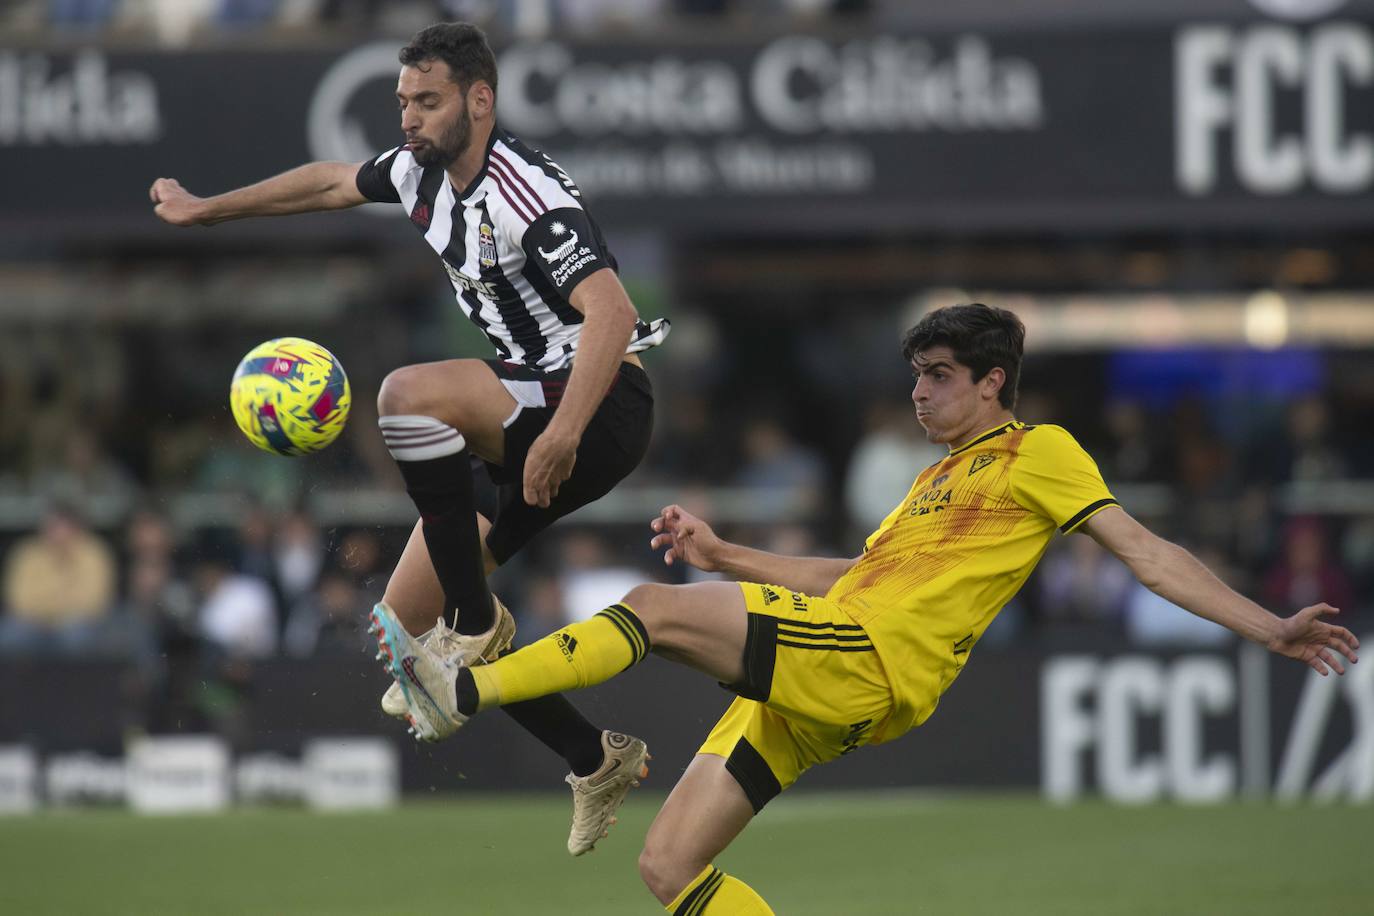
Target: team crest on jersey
486 246
981 462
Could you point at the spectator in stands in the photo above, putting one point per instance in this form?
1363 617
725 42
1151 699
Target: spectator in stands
788 473
59 588
237 615
1155 621
256 556
886 461
87 475
1133 454
1307 567
361 557
1082 583
298 555
1308 452
329 620
541 611
1204 475
158 606
590 573
687 448
148 535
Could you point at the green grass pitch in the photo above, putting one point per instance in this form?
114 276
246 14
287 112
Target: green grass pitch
890 853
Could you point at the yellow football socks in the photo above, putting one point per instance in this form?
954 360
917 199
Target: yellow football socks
579 655
714 893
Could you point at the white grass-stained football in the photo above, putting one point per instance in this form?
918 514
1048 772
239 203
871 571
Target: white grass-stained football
290 396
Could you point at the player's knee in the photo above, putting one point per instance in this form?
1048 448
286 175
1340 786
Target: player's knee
651 602
663 874
402 392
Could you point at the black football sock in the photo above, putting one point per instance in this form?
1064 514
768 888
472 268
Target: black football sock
552 719
433 459
564 730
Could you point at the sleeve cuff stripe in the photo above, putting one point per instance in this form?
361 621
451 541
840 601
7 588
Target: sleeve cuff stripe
1085 512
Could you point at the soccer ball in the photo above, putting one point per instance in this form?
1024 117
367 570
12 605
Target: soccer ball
290 396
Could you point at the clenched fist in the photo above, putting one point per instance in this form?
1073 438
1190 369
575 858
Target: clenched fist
175 204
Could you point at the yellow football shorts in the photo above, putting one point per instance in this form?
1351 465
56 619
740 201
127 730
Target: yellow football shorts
813 690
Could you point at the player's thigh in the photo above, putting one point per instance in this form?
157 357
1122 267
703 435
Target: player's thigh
464 393
612 445
413 591
705 811
702 626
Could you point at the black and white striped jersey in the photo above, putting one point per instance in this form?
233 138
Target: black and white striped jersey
515 242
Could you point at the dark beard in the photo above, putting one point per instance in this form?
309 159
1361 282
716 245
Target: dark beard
452 144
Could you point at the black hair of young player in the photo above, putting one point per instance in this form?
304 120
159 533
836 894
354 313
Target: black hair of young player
461 45
980 336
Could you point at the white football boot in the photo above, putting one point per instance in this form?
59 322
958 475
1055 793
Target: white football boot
458 648
597 796
427 680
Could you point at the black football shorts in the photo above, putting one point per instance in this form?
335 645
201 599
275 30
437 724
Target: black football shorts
612 446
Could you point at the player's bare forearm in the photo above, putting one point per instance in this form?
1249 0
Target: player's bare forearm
306 189
1176 575
690 540
808 575
607 327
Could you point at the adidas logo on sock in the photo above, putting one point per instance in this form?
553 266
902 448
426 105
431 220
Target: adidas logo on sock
568 644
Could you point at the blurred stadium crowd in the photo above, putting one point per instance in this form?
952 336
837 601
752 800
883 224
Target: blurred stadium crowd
136 524
123 562
176 22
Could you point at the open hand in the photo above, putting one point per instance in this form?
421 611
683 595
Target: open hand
549 462
687 538
1313 641
175 204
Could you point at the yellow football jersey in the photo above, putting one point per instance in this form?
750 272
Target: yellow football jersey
946 560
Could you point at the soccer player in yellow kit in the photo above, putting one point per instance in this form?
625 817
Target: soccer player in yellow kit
839 653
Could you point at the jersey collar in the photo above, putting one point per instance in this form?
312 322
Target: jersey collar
990 434
482 172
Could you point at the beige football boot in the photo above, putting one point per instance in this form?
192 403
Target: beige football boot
462 650
597 796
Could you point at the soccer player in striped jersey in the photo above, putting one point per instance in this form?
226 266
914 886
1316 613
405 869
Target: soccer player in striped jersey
841 653
492 451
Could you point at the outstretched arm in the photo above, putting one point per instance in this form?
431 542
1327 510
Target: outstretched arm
1175 574
690 540
311 187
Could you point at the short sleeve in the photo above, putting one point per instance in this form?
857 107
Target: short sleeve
565 246
374 178
1054 477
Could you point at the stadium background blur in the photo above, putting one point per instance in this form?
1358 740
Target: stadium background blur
1197 279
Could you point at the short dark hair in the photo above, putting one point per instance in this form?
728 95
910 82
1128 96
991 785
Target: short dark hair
981 336
461 45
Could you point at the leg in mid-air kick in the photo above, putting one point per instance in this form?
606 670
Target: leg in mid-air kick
707 627
442 570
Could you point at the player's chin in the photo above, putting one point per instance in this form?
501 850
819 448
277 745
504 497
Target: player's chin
425 154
